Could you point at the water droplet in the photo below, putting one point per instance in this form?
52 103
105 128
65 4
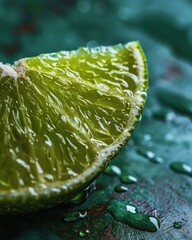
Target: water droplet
169 137
182 168
164 115
147 138
129 179
84 233
150 155
113 170
157 159
177 225
75 216
131 208
144 139
79 198
120 188
128 214
83 195
146 153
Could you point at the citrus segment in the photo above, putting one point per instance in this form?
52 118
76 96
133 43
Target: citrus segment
63 116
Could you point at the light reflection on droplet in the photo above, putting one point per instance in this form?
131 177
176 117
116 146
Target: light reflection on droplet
131 208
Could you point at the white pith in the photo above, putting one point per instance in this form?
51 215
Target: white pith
8 70
15 71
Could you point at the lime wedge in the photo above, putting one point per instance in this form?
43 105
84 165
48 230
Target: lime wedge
63 116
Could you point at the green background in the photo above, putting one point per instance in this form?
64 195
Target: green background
164 29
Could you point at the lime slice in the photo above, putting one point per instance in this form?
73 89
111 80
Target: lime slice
63 116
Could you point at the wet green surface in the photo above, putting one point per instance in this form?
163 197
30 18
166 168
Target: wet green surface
164 30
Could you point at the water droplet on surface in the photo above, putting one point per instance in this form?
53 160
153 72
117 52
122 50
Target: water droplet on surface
131 208
150 155
113 170
83 195
147 138
129 179
157 159
164 115
75 216
170 116
144 139
182 168
84 233
79 198
128 214
146 153
169 137
177 225
120 188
